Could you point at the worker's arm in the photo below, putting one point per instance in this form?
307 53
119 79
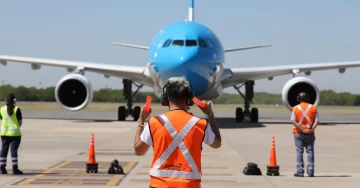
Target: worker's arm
143 138
19 116
296 124
212 133
215 131
316 123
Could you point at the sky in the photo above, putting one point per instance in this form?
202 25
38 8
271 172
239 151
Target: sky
83 30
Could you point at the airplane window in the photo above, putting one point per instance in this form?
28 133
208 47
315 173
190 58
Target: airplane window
191 43
202 44
178 43
167 42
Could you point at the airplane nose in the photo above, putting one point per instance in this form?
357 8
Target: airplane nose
184 62
175 59
186 56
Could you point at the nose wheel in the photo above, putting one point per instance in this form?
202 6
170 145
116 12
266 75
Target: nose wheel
125 111
247 114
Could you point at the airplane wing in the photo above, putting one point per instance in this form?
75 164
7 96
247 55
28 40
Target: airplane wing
234 76
131 46
136 74
246 48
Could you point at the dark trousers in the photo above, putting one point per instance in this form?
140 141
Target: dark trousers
13 142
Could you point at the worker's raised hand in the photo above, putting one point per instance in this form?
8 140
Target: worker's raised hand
143 114
208 108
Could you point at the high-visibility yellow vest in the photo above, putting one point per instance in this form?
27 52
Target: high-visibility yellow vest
9 125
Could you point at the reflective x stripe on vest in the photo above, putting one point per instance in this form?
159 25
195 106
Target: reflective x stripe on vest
177 142
5 129
305 115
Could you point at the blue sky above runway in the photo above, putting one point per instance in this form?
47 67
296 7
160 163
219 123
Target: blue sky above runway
300 32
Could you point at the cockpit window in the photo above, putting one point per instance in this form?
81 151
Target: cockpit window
202 43
191 43
178 43
167 43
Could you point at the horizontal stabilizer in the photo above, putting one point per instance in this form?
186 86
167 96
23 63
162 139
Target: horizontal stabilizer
246 48
131 46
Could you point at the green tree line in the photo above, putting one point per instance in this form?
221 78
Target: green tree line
328 97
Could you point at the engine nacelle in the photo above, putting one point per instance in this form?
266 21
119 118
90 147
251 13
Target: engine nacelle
74 92
297 85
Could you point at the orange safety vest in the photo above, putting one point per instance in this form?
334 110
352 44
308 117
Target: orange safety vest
177 138
305 116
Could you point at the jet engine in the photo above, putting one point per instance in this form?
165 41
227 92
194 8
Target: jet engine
297 85
74 92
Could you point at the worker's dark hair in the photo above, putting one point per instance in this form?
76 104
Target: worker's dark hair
10 103
177 89
303 97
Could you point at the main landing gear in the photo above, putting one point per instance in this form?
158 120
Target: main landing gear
252 115
123 111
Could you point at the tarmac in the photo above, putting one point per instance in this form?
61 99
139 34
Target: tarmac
55 144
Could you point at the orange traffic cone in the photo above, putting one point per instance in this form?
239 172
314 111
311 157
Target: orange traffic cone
272 168
91 165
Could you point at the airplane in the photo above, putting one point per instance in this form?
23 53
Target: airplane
182 48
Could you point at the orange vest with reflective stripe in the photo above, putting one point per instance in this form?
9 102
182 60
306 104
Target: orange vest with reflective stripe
177 138
305 116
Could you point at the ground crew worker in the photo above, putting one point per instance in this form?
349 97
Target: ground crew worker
305 119
176 137
10 133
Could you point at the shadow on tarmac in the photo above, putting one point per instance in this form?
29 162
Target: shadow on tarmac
229 123
325 123
31 173
333 176
223 122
